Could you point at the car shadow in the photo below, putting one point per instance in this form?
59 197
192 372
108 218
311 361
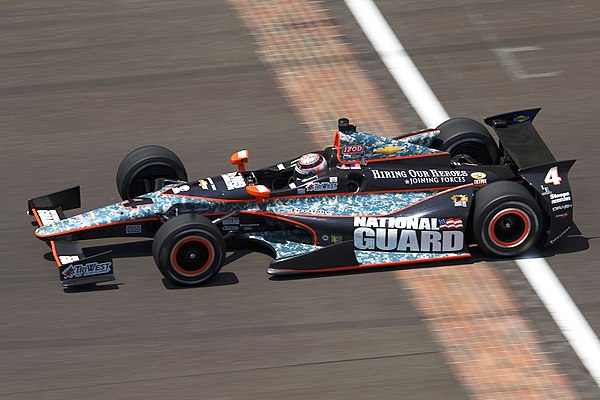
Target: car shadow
144 249
574 242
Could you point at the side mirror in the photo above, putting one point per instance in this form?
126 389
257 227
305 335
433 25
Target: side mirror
240 158
260 192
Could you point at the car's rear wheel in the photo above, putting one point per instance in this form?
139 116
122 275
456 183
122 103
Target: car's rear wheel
467 141
507 220
140 169
188 249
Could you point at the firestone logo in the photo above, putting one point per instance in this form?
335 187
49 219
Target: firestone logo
89 269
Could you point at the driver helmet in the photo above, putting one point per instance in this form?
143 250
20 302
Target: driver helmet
309 164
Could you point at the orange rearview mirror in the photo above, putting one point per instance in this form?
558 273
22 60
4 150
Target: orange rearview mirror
261 192
240 158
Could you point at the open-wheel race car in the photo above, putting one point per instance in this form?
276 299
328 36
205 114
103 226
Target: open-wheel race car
366 201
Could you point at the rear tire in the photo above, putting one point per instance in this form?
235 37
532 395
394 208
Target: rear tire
467 141
139 170
507 221
188 249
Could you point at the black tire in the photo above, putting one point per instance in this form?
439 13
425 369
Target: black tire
140 169
507 220
467 141
188 249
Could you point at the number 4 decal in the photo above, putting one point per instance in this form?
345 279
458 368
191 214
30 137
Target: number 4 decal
552 177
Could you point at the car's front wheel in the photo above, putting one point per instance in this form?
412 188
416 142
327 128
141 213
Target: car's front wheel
188 249
140 169
507 220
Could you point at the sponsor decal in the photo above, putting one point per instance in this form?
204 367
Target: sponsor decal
556 198
67 259
460 200
203 184
562 215
545 190
388 150
231 224
416 177
233 180
315 212
89 269
479 178
301 190
333 179
180 189
349 166
355 150
406 234
133 203
212 184
552 241
321 186
562 207
129 229
336 239
325 238
520 118
48 217
249 227
450 223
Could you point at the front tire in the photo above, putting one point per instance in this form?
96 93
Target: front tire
507 221
139 170
188 249
467 141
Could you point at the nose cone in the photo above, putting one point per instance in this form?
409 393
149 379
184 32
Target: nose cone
108 215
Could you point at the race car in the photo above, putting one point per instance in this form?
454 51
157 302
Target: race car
366 201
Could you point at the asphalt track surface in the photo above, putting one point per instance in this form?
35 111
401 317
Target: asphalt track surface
82 84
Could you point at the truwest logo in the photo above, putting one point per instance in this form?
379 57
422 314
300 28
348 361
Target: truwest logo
89 269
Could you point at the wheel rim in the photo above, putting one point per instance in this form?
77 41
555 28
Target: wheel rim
192 256
509 228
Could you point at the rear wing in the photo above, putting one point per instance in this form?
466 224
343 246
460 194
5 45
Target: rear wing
536 164
519 139
73 266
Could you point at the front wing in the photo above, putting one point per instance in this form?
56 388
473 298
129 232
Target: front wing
73 266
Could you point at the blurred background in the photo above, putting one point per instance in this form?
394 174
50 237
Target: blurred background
83 83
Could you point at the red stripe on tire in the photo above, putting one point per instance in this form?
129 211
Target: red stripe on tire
204 267
521 238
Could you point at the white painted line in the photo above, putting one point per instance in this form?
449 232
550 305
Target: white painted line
537 271
398 62
565 313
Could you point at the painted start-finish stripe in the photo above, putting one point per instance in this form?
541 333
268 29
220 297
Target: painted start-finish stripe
567 316
492 349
